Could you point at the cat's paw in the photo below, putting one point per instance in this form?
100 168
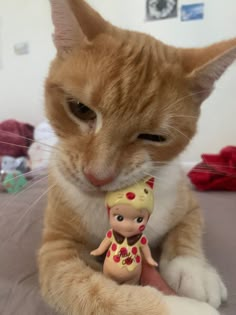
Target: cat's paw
185 306
194 278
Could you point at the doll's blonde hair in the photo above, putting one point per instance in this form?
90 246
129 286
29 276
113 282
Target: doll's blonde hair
139 195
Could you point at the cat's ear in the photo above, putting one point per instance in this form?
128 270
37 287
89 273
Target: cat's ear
205 66
75 23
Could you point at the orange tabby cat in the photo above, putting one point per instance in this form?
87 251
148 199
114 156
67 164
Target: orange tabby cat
124 106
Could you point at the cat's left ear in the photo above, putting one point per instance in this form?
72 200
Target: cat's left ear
204 66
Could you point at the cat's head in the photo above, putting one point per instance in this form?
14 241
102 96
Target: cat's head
122 101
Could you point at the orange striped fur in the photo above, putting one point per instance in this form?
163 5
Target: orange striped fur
138 85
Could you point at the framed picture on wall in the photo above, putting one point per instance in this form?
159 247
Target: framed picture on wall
161 9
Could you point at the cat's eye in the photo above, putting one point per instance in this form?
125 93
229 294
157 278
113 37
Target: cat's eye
81 111
153 138
119 218
139 219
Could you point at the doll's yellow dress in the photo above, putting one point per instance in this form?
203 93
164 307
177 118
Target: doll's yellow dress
124 254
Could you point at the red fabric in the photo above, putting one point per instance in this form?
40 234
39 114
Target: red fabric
216 171
11 132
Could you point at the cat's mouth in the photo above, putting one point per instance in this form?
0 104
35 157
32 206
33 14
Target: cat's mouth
123 180
119 183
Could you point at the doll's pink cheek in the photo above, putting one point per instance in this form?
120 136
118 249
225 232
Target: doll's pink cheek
142 228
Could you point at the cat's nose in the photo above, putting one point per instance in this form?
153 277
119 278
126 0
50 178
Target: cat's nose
98 181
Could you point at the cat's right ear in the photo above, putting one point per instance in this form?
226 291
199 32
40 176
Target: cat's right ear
75 23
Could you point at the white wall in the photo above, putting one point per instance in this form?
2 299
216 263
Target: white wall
22 77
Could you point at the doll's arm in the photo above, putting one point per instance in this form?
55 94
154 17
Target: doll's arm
148 256
102 247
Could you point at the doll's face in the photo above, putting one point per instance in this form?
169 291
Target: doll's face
128 221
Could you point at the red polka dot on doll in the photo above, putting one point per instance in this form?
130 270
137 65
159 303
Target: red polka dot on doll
143 240
134 250
138 259
108 253
123 252
114 247
130 195
116 258
109 234
128 261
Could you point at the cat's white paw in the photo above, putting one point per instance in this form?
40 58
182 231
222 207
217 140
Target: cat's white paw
185 306
194 278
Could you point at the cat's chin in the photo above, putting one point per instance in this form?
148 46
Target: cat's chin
90 189
116 185
93 190
87 188
122 183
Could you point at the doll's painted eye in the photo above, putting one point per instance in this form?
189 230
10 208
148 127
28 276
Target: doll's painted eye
146 191
119 218
139 220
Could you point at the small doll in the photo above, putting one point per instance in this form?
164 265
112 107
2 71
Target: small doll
129 210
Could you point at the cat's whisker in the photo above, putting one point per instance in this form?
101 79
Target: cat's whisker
49 159
21 146
216 173
29 139
185 97
15 135
27 211
44 160
168 162
163 163
48 145
28 187
184 116
156 177
24 174
180 132
218 165
207 171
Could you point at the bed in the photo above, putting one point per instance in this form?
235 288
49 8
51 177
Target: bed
20 232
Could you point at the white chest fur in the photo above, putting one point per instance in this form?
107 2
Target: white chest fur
165 196
94 214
